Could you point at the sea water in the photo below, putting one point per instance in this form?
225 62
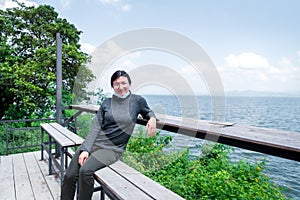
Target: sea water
281 113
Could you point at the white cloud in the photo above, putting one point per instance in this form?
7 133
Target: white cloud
298 54
263 77
250 71
126 7
65 3
274 70
110 1
288 69
119 4
87 48
246 61
4 4
11 4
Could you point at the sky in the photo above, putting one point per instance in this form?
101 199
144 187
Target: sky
252 44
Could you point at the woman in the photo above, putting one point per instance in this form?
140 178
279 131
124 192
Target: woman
108 137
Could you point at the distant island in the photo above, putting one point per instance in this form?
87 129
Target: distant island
237 93
254 93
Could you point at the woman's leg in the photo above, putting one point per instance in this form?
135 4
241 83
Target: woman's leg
70 179
97 160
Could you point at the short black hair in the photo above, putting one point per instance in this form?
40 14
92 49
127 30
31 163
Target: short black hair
117 74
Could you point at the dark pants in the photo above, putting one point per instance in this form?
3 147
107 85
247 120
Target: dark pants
97 160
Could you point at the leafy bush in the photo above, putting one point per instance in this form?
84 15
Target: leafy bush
84 123
145 153
141 143
210 176
2 139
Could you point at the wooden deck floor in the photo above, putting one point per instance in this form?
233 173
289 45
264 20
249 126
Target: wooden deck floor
25 176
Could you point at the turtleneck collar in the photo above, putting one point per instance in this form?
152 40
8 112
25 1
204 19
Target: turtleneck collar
122 97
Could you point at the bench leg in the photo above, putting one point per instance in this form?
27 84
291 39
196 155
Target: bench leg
42 144
102 195
66 158
57 150
62 165
50 153
77 190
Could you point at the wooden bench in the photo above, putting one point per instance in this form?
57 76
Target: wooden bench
119 181
63 139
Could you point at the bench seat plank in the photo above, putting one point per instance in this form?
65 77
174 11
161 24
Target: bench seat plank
69 134
145 184
117 183
58 137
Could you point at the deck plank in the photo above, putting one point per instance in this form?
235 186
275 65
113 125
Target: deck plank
53 181
25 176
22 184
38 182
7 188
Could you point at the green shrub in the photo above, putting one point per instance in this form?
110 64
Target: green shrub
84 123
210 176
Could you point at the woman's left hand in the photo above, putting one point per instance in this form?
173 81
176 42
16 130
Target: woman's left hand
151 126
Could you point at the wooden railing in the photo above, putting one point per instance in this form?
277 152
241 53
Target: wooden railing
285 144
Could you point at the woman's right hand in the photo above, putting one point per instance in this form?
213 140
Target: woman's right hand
151 126
83 157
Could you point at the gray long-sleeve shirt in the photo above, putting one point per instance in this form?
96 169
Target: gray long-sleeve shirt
114 123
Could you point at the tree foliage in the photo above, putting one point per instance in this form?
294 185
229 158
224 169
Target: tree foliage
28 61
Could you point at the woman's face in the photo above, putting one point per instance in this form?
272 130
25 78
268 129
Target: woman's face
121 85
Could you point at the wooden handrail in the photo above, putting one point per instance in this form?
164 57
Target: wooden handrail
285 144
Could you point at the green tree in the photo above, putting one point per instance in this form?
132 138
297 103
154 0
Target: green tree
28 61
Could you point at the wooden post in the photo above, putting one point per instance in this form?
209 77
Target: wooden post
58 85
58 79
